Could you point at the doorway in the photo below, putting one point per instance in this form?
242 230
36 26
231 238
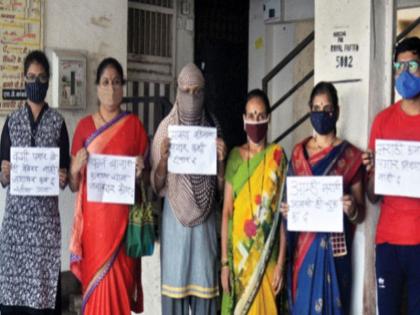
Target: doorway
221 51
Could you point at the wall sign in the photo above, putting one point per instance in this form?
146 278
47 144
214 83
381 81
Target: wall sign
20 33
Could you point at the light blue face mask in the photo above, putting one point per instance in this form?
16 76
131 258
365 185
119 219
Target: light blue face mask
408 85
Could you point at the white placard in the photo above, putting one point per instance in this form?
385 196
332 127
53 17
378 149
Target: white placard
192 150
397 168
111 178
34 171
315 203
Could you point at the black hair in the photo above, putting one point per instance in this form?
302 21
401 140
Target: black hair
109 62
261 95
408 44
36 56
328 89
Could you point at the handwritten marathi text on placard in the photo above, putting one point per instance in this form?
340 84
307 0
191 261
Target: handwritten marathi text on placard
397 168
34 171
192 150
315 203
111 178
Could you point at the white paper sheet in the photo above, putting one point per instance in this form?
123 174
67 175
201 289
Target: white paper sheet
315 203
34 171
397 168
111 178
193 150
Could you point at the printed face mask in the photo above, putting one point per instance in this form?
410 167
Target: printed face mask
408 85
256 130
323 122
36 91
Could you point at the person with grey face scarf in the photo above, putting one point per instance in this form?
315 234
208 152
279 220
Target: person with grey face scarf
189 242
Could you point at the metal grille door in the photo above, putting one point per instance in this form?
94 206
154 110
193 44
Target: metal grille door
151 38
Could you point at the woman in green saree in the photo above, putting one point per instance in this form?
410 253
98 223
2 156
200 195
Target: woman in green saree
252 252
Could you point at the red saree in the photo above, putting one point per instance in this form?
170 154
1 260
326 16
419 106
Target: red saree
111 280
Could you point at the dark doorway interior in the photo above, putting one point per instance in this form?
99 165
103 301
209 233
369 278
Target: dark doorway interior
221 50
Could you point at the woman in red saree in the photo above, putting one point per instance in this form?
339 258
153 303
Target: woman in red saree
111 280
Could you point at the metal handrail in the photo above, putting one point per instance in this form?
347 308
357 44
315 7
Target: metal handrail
408 29
292 128
290 56
286 60
289 93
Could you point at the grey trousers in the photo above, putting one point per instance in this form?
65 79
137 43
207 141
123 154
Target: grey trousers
183 306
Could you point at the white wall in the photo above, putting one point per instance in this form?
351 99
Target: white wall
298 10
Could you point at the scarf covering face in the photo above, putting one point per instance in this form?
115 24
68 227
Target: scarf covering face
191 196
190 106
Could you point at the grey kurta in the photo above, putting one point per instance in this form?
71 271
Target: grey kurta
30 237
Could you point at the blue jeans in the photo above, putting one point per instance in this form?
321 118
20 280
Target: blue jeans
397 267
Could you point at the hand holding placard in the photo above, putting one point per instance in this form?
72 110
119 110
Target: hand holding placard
315 203
397 168
111 178
34 171
192 150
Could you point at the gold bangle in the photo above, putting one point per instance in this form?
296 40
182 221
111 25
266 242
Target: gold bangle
225 263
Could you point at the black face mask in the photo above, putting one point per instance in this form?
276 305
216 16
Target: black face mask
36 91
323 122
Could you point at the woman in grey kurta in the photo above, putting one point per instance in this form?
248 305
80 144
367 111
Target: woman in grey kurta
189 264
30 236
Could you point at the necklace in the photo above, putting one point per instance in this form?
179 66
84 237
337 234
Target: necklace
249 185
103 119
319 147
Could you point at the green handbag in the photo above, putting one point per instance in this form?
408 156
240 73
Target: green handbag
140 233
